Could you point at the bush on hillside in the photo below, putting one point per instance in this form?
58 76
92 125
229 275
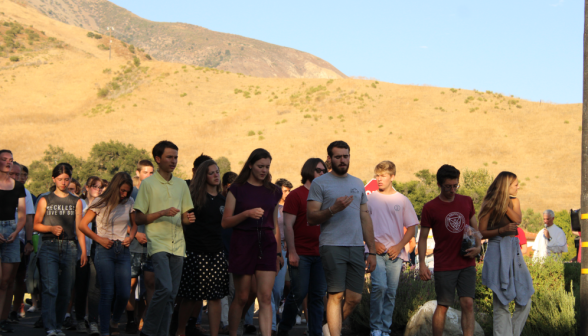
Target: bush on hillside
102 47
97 36
14 59
136 61
103 92
90 35
553 311
147 56
224 165
132 48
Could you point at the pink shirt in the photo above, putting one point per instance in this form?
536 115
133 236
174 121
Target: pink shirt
390 215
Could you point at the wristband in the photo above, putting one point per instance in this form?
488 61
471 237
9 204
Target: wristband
331 211
372 254
279 254
29 242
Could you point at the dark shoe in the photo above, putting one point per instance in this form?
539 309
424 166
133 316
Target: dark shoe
224 330
5 327
29 302
39 322
249 329
114 329
13 317
131 328
281 332
173 326
193 330
68 323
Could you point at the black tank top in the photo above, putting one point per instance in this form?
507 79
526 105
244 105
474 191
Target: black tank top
61 212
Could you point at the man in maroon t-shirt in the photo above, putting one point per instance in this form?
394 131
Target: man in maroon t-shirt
304 261
449 215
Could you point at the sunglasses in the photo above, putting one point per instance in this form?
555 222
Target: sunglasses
318 170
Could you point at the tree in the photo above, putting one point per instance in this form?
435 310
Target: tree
40 171
223 165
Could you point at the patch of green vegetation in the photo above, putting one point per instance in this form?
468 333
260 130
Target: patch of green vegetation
307 116
453 90
251 133
183 95
102 47
14 58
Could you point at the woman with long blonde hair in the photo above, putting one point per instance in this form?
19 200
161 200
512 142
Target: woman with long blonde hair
505 271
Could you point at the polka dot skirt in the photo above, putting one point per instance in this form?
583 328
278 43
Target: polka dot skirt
204 277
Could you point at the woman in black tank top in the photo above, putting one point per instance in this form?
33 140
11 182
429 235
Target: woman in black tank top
57 219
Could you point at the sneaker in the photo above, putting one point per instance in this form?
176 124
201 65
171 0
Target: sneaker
385 333
33 309
81 327
326 331
376 333
241 328
131 328
39 322
60 333
68 323
13 317
303 320
249 329
5 327
51 333
298 319
114 328
93 329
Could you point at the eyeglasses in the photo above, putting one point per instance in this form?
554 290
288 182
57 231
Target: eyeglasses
96 187
318 171
450 186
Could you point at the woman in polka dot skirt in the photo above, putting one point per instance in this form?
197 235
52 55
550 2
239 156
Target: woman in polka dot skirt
205 272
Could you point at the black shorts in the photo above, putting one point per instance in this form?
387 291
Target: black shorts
446 282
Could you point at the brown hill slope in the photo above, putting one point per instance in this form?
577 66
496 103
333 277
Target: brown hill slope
50 97
185 43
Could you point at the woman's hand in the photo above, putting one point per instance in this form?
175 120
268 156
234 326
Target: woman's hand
127 241
56 230
105 242
279 263
141 238
83 259
255 213
12 237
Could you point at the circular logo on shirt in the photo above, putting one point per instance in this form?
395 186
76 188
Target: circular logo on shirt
397 207
455 222
222 209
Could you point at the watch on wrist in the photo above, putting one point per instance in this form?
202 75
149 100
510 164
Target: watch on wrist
29 242
279 254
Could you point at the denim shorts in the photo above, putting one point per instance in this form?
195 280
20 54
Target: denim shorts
9 252
140 263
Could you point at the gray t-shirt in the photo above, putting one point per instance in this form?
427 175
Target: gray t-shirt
344 228
136 247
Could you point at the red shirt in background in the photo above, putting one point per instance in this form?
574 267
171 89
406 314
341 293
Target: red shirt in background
306 237
448 221
521 236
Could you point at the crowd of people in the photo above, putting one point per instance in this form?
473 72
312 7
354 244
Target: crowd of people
156 247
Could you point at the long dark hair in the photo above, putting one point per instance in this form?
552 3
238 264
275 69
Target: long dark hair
62 168
198 184
255 156
110 199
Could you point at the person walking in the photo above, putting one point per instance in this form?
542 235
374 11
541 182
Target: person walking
251 210
162 205
114 215
505 270
58 219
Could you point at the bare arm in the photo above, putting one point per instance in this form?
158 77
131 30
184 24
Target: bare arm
316 216
289 221
278 236
39 215
143 219
424 271
515 214
229 220
187 218
80 235
494 232
367 228
21 220
524 249
395 250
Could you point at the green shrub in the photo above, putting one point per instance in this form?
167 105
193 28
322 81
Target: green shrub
136 61
224 165
183 95
307 116
103 92
14 59
147 56
132 48
90 35
251 133
97 36
102 47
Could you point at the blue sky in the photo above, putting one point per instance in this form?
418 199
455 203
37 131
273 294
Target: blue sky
531 49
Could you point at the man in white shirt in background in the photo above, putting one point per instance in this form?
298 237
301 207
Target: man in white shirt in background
550 241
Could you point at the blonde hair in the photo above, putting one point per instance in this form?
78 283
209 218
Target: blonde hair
385 167
497 198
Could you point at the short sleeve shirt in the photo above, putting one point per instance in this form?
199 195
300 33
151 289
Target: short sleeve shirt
344 228
113 225
448 221
521 236
391 214
9 201
306 237
165 234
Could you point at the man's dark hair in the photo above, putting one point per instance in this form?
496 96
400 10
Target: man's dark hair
144 163
308 168
229 178
5 151
160 148
24 169
337 144
447 172
282 182
201 159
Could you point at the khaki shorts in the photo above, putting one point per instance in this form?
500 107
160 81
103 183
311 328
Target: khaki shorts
344 268
446 282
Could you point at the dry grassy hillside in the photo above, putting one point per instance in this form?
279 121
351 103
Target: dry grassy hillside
220 113
185 43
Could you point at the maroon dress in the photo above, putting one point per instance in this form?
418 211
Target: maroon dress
253 244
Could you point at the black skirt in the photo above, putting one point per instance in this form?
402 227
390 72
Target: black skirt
204 277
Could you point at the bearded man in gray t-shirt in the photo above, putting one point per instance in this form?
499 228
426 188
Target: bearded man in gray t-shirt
337 201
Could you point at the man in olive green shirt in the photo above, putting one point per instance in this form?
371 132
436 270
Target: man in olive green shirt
162 205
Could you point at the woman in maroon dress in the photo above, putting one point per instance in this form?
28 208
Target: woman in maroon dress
255 256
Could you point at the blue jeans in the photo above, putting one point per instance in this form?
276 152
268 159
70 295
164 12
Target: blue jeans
278 290
306 279
57 260
168 273
384 284
113 267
